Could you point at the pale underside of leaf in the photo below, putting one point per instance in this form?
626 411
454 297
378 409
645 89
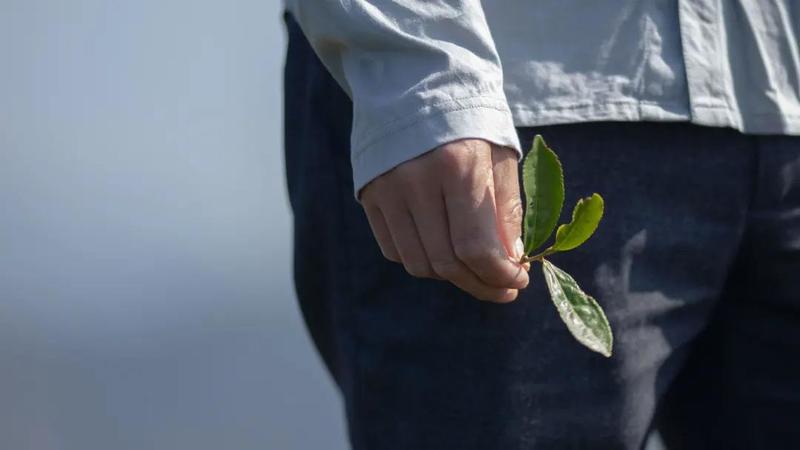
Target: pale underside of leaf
585 218
543 183
584 318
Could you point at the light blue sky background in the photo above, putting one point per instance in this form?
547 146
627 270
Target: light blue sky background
145 285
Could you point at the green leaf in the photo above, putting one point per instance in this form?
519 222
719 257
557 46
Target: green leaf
585 218
543 182
581 313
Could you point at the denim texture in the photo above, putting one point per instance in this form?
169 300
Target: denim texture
696 262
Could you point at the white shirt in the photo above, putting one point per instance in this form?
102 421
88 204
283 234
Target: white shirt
422 73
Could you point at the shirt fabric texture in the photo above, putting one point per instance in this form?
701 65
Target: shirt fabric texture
422 73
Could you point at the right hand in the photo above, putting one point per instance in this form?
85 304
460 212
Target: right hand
453 213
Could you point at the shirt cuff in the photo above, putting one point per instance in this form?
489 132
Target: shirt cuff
476 117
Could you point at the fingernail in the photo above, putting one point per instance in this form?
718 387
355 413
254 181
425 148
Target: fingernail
519 248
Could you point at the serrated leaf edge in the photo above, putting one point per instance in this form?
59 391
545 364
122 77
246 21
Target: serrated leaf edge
556 291
538 139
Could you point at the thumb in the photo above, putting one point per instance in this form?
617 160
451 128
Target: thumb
507 199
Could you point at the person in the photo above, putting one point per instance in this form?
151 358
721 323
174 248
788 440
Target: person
405 121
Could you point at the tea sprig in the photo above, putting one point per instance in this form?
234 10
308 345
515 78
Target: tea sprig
543 183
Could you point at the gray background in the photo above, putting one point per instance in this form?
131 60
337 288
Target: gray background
145 285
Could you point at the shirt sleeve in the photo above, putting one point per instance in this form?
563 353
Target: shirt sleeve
421 73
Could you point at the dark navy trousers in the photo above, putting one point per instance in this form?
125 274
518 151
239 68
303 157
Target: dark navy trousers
696 262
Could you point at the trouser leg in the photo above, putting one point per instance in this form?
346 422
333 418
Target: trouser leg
741 386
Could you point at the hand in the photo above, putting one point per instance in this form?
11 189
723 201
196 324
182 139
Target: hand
455 214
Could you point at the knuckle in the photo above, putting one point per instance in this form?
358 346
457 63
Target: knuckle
368 196
376 193
391 256
378 182
513 211
411 182
446 268
406 170
453 159
409 173
472 251
418 270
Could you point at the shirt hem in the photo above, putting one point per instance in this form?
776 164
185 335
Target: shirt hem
716 115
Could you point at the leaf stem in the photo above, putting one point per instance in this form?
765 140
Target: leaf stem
538 257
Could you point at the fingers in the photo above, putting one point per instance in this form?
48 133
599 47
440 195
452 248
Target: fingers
471 213
508 203
428 211
381 232
448 215
407 241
